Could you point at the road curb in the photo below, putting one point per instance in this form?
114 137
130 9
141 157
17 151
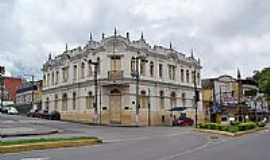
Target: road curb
47 145
40 133
228 133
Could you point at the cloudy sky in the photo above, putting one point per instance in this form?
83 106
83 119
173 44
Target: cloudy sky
226 34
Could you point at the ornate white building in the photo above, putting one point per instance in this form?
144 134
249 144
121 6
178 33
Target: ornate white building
166 81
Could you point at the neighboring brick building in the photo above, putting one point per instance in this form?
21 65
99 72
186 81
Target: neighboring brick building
10 86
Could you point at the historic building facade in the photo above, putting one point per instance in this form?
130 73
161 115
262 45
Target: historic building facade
166 81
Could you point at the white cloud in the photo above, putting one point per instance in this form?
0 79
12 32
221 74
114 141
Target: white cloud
226 34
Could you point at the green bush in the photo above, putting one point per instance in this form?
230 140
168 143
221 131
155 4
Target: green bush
233 129
202 125
246 126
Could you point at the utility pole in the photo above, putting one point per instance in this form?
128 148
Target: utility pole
149 108
32 101
96 86
32 92
2 72
196 98
100 122
136 74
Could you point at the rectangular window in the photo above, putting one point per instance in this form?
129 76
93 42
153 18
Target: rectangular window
198 78
82 70
187 76
48 79
74 100
65 74
142 68
57 77
162 100
171 70
75 72
182 75
52 80
152 69
193 76
116 63
160 70
89 101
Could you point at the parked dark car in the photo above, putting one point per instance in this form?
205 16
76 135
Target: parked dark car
4 110
33 113
183 121
54 115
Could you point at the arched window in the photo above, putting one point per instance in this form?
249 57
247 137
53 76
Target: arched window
152 69
64 102
82 70
89 100
55 102
74 100
162 100
132 65
173 99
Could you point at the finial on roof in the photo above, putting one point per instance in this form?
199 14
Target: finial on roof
90 36
103 36
50 56
142 36
238 74
128 35
199 60
170 45
115 31
66 47
192 50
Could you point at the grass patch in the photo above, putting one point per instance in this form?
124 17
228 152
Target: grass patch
40 140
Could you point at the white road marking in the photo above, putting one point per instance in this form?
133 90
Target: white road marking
191 150
39 158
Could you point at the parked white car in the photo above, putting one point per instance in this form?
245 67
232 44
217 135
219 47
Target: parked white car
12 110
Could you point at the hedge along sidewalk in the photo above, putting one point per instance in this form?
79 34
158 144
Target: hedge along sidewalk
240 133
46 143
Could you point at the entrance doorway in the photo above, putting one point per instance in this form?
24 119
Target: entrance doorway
115 106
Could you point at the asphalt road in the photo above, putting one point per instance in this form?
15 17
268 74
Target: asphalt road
154 143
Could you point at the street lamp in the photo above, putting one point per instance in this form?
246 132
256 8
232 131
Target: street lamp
95 84
136 75
32 83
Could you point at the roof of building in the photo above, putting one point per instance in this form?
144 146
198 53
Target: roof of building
121 43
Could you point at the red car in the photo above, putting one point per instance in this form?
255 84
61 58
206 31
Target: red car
183 121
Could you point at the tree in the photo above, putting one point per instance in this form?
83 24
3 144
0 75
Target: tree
263 79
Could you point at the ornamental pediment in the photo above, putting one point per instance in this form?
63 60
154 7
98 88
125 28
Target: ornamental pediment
115 43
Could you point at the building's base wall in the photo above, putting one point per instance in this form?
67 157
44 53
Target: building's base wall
158 118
